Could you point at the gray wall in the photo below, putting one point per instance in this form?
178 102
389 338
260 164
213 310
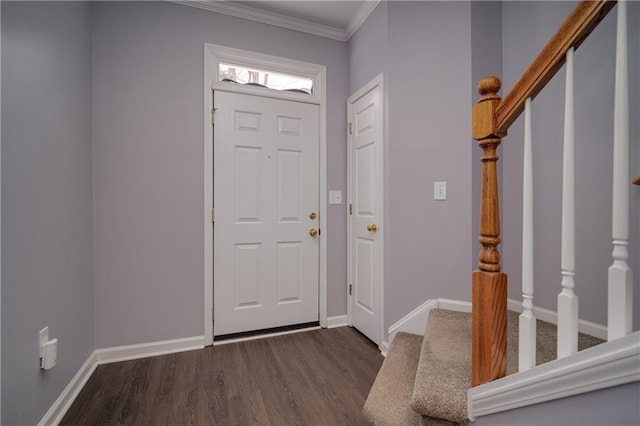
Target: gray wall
526 27
424 49
486 59
368 49
46 200
429 111
613 406
148 165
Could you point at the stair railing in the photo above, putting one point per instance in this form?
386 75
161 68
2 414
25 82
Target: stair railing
491 118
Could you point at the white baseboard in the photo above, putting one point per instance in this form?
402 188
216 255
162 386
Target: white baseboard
337 321
144 350
454 305
587 327
59 408
415 321
384 348
609 364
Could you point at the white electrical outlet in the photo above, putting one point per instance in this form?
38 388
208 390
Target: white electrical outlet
43 338
440 190
49 354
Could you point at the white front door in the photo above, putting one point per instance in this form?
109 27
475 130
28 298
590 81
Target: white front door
266 177
366 155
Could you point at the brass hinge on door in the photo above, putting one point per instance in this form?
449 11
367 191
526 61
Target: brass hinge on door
350 128
350 209
350 289
213 215
213 313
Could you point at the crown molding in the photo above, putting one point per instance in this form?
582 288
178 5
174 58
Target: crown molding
282 21
360 17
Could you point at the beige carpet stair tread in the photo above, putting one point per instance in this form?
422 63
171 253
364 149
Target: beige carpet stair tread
388 401
444 367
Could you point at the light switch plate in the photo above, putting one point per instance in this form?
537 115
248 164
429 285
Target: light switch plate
335 197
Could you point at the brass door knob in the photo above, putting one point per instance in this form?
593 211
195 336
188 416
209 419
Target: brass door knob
313 215
372 228
313 232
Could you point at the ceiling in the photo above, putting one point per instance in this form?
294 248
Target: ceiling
335 19
334 13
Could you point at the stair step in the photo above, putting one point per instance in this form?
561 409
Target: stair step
444 368
424 380
388 401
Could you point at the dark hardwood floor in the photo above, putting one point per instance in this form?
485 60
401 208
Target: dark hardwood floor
319 377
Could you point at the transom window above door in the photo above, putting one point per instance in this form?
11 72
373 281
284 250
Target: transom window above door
241 71
270 79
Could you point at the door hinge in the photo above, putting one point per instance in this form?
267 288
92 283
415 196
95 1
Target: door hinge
213 115
350 209
213 313
213 215
350 128
350 289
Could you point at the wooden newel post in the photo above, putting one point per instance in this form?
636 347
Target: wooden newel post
489 288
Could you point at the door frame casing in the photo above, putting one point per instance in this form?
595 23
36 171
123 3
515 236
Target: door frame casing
213 54
378 81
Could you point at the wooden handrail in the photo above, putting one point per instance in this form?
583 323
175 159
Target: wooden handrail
491 118
573 31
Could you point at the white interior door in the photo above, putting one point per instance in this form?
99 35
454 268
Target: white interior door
366 251
266 177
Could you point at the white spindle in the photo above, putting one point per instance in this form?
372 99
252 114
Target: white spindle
620 275
527 321
567 299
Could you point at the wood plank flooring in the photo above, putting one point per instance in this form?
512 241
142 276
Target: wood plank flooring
319 377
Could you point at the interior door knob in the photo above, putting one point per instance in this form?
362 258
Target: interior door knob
313 232
313 215
372 228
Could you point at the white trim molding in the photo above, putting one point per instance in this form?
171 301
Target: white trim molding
600 367
145 350
279 20
337 321
584 326
360 17
59 408
213 55
415 322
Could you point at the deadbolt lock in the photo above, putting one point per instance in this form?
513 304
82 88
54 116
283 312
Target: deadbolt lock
313 215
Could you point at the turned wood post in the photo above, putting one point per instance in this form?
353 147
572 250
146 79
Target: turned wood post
489 285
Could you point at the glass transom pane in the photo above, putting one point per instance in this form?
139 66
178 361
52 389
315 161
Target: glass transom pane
269 79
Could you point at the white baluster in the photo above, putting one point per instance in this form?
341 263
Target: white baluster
527 321
567 299
620 274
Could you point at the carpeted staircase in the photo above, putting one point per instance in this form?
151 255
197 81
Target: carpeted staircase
424 380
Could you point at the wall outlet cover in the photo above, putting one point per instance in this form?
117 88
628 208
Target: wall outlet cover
440 191
43 338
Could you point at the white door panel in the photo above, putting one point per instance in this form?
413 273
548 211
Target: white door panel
366 198
266 177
